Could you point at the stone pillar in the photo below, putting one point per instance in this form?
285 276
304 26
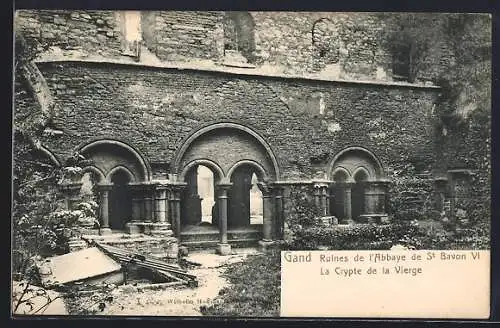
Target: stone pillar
440 187
175 207
317 195
375 195
71 192
280 215
148 204
321 197
104 207
268 215
161 204
136 202
347 202
223 248
330 199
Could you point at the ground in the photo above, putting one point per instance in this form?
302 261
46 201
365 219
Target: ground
177 301
40 302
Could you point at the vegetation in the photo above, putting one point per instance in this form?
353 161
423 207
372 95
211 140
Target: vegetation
255 288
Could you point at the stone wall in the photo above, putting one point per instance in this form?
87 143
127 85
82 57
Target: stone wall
281 42
286 39
91 32
305 122
183 35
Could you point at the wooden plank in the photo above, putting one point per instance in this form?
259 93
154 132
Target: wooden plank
125 256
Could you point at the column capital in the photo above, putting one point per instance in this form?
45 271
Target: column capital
104 186
178 186
348 183
161 185
321 183
224 185
267 189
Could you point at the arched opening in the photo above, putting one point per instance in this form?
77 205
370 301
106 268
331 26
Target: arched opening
325 42
198 205
107 155
245 198
358 193
362 197
244 213
256 203
120 200
239 42
337 207
206 191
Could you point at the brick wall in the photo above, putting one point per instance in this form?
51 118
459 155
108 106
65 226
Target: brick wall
182 35
155 109
280 41
93 32
286 39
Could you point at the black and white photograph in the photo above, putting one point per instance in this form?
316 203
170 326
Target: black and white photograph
164 161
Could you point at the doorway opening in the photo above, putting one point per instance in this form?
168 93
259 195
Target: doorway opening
358 194
199 212
245 199
337 207
120 201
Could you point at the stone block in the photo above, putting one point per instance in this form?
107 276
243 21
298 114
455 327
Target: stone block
105 231
223 249
265 245
132 228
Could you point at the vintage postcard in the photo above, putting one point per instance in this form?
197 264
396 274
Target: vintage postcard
251 164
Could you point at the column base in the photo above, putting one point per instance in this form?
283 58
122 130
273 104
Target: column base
132 228
264 244
105 231
223 249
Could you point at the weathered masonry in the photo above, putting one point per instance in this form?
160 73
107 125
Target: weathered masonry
183 126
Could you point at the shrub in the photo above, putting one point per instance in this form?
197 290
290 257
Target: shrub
361 236
255 288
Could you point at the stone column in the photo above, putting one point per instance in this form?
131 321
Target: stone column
268 215
148 203
223 248
347 202
104 207
330 201
280 206
375 193
71 192
161 204
321 197
317 195
176 208
440 187
136 202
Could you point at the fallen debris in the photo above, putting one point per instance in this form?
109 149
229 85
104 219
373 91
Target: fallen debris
169 271
89 265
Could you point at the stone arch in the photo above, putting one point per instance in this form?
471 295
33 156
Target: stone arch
260 171
96 170
239 35
361 170
106 154
325 43
50 155
352 158
358 198
216 169
341 170
117 168
206 141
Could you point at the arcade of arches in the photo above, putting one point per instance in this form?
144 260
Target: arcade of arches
218 195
